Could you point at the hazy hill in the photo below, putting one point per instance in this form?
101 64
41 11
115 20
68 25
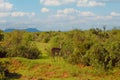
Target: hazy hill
28 30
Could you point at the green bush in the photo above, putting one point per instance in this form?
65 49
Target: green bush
98 56
3 68
24 51
19 44
114 54
2 52
32 53
94 47
75 58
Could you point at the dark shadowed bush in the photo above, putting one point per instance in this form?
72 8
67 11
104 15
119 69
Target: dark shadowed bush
3 68
114 54
2 52
97 56
33 53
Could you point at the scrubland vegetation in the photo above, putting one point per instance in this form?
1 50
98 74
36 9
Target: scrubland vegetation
85 55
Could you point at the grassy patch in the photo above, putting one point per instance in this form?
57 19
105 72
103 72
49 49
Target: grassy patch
60 70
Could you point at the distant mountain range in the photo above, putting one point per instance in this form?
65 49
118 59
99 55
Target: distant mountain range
28 30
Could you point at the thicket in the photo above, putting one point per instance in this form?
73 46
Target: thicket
19 44
99 48
3 69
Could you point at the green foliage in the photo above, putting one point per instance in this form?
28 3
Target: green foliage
94 47
74 58
2 52
1 35
67 48
33 53
114 54
91 48
3 68
97 56
19 44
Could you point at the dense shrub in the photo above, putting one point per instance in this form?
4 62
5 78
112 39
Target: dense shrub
94 47
98 56
74 58
32 53
19 44
98 48
114 54
2 52
24 51
3 68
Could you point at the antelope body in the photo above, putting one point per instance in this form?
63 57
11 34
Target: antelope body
56 52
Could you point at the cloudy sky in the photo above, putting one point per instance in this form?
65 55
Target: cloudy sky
59 14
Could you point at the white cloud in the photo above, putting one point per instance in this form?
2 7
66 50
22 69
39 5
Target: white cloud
87 13
21 14
111 16
50 2
74 12
64 16
5 6
114 14
4 14
107 17
89 3
6 10
44 10
79 3
33 14
68 11
77 15
56 2
16 14
3 21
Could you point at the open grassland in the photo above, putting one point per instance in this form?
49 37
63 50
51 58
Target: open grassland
47 69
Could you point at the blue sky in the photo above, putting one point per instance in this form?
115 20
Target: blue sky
59 14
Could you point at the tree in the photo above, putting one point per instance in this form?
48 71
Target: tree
2 51
18 44
98 56
114 54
